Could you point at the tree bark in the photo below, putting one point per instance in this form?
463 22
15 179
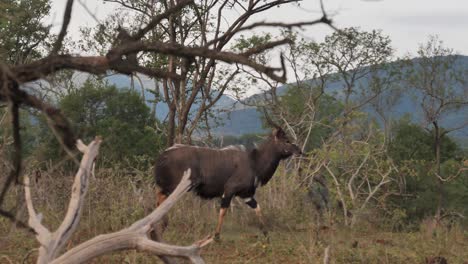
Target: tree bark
437 145
134 237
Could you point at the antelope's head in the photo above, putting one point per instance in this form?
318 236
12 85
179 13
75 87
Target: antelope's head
282 145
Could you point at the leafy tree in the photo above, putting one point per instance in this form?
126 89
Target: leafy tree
412 149
412 142
22 29
347 66
355 58
328 108
118 115
193 85
322 109
189 35
438 80
359 173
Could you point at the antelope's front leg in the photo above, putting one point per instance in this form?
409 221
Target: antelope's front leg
252 203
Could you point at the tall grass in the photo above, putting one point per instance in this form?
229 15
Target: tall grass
118 198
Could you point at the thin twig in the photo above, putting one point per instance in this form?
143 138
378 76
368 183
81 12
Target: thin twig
66 21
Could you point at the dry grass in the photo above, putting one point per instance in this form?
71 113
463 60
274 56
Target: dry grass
116 200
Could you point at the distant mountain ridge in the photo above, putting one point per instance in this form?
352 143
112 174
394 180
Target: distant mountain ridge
122 81
237 120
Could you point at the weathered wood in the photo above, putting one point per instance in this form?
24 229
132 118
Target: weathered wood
134 237
326 255
53 243
137 236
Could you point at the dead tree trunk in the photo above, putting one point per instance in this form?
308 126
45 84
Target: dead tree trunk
437 144
134 237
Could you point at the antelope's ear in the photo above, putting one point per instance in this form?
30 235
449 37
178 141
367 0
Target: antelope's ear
278 133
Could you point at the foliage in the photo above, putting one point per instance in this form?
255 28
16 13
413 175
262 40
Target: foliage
438 80
22 29
366 174
322 125
358 170
244 43
29 132
117 199
118 115
420 190
333 79
201 81
412 142
412 148
354 55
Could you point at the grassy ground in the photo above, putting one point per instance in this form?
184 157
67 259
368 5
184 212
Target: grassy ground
116 201
245 244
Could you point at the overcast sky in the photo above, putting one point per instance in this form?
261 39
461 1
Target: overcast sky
407 22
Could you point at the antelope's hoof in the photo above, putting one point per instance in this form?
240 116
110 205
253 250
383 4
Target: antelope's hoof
264 231
217 237
266 236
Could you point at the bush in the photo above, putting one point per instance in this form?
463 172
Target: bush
118 115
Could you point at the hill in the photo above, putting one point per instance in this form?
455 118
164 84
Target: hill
233 124
122 81
237 120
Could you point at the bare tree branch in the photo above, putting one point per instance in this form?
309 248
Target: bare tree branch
134 237
184 51
53 243
66 20
356 172
157 19
260 48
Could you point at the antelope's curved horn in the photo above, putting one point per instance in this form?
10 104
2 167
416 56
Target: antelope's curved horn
269 120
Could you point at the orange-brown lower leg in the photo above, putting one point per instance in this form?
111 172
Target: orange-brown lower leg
259 214
222 213
159 227
160 198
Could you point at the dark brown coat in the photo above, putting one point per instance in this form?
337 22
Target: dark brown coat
227 172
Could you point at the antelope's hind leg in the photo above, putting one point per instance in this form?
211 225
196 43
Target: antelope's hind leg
160 227
160 198
252 203
225 202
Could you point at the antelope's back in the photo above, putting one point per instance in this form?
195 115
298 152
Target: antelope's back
211 168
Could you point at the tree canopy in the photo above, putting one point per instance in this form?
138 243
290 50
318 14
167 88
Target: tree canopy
117 115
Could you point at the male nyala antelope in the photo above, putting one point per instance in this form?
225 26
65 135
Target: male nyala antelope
227 172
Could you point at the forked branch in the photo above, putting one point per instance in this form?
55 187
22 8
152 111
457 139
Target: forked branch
134 237
53 243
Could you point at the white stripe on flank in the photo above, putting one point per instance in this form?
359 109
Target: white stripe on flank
175 146
235 147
